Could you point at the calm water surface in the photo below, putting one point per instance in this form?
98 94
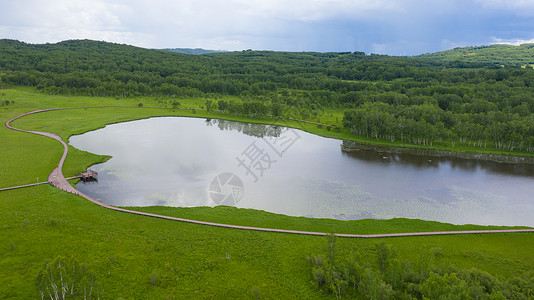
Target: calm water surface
177 162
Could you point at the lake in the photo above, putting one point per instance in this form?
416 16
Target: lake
189 162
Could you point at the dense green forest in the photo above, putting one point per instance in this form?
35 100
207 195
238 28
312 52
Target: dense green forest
412 100
500 54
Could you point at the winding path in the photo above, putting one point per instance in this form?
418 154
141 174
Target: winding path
58 180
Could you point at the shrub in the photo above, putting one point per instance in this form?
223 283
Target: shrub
65 278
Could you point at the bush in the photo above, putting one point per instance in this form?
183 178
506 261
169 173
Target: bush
66 278
383 276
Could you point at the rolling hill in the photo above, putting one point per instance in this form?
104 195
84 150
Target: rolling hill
499 54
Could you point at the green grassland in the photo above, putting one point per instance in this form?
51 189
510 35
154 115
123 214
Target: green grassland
136 257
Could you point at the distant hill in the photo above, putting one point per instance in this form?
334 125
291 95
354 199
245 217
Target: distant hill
196 51
500 54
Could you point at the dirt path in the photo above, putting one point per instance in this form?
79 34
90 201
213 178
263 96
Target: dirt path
58 180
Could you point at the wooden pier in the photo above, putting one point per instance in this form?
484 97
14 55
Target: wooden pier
88 175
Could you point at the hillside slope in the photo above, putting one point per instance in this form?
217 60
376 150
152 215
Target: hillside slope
499 54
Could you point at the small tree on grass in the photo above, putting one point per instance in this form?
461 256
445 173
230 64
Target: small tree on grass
175 104
209 105
66 279
325 271
384 255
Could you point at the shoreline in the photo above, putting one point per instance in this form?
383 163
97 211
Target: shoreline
353 146
58 180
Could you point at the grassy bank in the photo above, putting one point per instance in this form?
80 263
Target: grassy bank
256 218
141 257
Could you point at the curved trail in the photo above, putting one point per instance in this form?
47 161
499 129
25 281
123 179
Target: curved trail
58 180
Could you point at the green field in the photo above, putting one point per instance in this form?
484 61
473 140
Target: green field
136 257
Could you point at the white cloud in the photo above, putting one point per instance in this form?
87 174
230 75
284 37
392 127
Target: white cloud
60 13
384 26
250 23
45 35
515 42
315 10
56 20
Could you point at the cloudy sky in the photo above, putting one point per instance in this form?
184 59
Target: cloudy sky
395 27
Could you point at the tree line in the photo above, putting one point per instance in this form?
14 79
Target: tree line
426 124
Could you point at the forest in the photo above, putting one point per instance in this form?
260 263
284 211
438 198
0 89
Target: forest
499 54
419 100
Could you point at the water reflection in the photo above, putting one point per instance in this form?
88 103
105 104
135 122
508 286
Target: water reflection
424 161
250 129
172 161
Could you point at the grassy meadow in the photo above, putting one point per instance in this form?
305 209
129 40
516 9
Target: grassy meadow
135 257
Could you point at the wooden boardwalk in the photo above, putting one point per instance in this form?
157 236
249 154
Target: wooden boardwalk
58 180
22 186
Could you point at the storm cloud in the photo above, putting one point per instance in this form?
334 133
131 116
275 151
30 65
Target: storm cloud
402 27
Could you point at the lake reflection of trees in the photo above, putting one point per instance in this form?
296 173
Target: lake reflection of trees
424 161
256 130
